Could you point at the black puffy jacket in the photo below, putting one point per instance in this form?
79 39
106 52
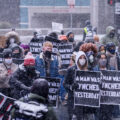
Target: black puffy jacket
69 80
20 82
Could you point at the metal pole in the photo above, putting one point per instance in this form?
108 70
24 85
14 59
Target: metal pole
71 17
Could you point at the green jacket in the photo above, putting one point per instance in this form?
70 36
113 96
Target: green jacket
105 39
51 113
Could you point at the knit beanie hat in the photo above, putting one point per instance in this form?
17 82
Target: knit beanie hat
29 59
24 46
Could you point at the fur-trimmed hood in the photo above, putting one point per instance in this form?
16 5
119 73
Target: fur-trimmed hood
14 35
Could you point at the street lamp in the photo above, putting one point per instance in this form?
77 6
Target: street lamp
71 4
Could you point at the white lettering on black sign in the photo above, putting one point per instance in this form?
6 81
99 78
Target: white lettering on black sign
110 88
54 85
65 50
88 91
36 47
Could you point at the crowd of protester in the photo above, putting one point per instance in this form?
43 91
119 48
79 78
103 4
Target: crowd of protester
20 71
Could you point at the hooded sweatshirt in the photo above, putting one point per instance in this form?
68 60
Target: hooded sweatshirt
105 39
78 55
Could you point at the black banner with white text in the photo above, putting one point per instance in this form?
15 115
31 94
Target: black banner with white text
88 92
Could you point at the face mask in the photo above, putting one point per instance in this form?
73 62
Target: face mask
103 51
12 40
82 62
30 68
112 34
71 39
112 51
91 59
103 62
47 54
97 43
89 53
8 61
16 55
37 36
26 52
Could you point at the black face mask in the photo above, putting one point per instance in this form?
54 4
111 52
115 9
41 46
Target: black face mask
16 55
112 34
25 53
71 39
30 70
48 54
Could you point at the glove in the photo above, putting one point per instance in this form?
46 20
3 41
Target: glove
75 86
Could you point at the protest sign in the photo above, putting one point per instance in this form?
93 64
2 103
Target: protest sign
57 27
54 85
65 50
36 46
88 92
6 104
110 87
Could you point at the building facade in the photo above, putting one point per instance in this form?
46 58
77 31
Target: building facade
41 13
10 12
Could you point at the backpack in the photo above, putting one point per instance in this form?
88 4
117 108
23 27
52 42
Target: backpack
30 111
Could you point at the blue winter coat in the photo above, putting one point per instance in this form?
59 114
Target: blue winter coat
40 66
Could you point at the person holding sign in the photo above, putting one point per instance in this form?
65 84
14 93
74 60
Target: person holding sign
90 50
113 59
102 62
45 63
70 85
105 112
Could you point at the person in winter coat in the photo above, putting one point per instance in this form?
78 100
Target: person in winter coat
102 49
70 85
2 43
26 48
12 37
96 41
17 54
53 35
37 36
90 50
46 64
22 79
39 95
63 37
70 37
87 32
102 62
110 36
7 68
105 112
112 56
